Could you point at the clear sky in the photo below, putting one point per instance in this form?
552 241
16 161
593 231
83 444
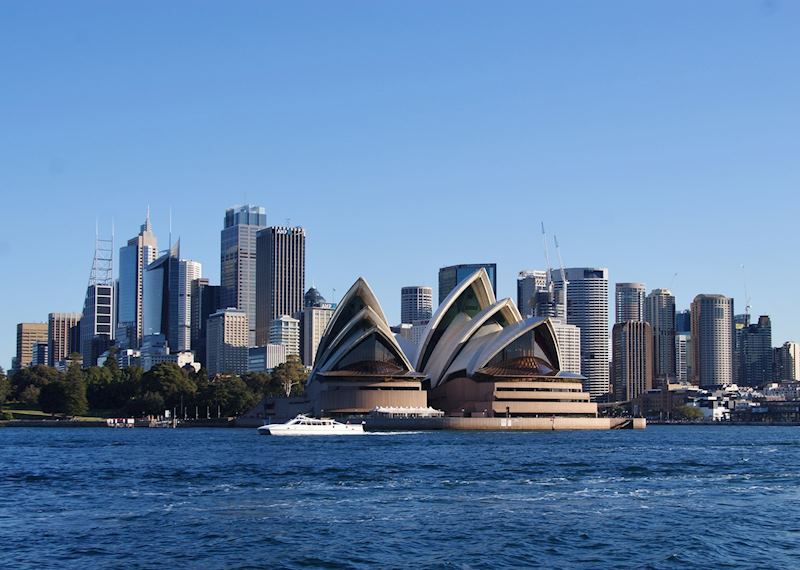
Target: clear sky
654 138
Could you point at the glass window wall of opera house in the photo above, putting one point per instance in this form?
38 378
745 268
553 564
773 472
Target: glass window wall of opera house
477 358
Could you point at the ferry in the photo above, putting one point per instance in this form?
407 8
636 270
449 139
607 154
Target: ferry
305 425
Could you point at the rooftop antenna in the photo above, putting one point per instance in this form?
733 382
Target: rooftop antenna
746 295
672 281
103 261
334 295
170 227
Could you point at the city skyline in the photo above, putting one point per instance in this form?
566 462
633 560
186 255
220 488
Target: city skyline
578 119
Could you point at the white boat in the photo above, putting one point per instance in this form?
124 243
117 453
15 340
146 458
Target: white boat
304 425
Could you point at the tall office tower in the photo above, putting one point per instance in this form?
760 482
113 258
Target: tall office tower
587 309
659 311
756 353
529 283
280 276
451 276
683 321
28 334
188 272
683 357
97 319
315 321
238 260
416 303
629 302
569 346
226 343
740 324
712 340
63 336
204 303
39 354
285 330
787 361
161 297
633 359
134 258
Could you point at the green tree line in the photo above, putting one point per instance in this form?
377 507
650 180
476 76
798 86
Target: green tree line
113 391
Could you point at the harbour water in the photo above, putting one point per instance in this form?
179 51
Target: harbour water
664 497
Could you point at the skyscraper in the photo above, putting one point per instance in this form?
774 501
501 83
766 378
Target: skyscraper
416 303
227 341
63 336
587 309
280 276
238 260
188 272
168 298
683 321
28 334
204 303
756 353
315 321
659 311
569 346
712 340
452 275
633 359
629 302
683 357
97 332
529 283
134 258
787 361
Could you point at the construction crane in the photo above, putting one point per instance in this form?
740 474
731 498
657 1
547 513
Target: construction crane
746 296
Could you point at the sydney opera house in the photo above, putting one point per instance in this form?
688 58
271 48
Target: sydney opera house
478 358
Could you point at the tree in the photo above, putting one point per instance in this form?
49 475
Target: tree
5 388
53 397
290 375
148 404
232 395
258 383
112 365
30 395
171 382
76 403
689 413
36 376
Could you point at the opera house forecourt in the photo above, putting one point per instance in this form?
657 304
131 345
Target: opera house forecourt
479 362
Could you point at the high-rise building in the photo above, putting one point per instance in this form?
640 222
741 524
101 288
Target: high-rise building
188 272
587 309
63 336
265 358
683 321
740 324
452 275
787 361
317 313
280 276
205 302
629 302
99 305
712 340
659 311
569 346
756 353
238 260
416 303
28 334
168 298
633 359
134 258
285 330
97 331
683 357
226 343
529 283
39 355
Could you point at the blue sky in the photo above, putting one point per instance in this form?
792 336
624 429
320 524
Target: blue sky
653 137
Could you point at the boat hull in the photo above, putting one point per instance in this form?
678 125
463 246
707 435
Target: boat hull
311 430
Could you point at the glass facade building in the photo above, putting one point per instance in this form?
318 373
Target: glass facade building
238 260
450 277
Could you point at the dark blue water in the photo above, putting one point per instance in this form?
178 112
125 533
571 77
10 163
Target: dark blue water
665 497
